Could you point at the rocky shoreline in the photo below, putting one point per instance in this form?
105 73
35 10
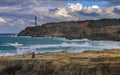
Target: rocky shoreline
104 29
105 62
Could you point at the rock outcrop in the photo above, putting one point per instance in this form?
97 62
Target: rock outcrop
105 62
104 29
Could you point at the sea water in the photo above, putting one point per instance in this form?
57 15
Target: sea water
11 44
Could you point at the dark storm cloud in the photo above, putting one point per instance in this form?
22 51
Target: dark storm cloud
15 15
113 2
88 14
28 2
52 2
116 10
11 2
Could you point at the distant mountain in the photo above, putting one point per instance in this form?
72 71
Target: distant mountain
103 29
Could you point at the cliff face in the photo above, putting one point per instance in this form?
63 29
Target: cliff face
105 62
105 29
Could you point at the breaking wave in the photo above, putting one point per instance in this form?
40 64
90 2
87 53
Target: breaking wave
23 45
16 44
72 47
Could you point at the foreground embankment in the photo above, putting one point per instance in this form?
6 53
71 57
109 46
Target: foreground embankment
106 62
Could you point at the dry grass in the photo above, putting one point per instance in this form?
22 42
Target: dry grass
86 56
3 61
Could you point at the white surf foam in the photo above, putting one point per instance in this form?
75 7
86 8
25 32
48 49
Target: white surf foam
14 35
107 44
7 54
16 44
86 44
25 51
73 47
73 40
33 48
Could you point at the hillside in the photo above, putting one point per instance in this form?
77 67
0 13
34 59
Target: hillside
104 29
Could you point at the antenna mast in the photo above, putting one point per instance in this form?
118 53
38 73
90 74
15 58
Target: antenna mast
35 21
35 26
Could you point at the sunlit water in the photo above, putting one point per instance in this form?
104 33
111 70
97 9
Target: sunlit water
12 44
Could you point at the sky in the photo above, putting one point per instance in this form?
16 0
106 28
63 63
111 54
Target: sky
16 15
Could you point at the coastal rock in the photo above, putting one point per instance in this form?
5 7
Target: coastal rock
104 29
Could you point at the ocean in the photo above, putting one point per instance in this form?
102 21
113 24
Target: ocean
11 44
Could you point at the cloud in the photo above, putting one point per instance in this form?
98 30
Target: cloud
20 13
21 22
113 11
117 10
2 20
78 12
74 7
91 9
61 12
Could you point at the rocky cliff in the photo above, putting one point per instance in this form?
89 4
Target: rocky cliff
105 62
104 29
